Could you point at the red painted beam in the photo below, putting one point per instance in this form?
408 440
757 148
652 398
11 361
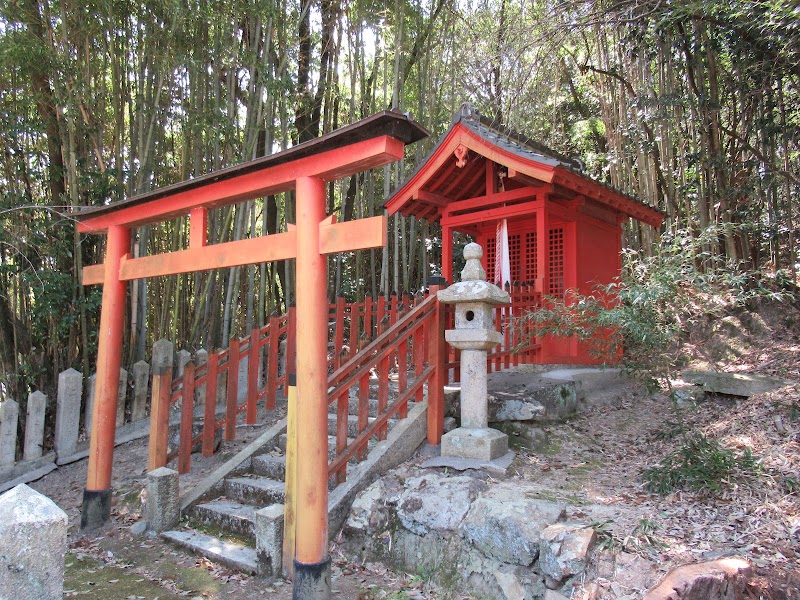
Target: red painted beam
352 235
327 166
277 246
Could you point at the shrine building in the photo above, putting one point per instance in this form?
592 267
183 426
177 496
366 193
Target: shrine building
560 228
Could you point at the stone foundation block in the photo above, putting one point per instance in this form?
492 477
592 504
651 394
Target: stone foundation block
482 444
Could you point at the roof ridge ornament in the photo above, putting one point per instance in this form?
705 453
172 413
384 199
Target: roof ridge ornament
466 111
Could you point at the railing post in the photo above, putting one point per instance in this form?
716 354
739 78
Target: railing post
210 404
232 398
273 346
291 347
253 361
159 404
338 333
436 359
187 419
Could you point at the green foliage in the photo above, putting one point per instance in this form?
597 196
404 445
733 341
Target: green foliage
640 317
701 464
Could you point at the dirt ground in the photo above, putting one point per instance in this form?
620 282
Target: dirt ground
591 462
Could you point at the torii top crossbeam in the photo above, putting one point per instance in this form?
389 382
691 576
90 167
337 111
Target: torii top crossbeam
372 142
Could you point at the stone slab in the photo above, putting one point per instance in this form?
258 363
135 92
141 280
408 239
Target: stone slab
233 516
36 469
226 553
497 467
734 384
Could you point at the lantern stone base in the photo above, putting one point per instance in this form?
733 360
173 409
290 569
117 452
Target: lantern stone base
481 444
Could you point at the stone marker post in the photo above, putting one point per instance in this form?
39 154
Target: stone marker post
9 414
88 413
141 381
122 394
33 542
68 412
474 334
34 426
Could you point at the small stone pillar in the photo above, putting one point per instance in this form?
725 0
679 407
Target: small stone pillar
162 510
269 540
474 334
33 542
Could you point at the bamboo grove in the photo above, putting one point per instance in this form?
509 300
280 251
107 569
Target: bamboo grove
693 107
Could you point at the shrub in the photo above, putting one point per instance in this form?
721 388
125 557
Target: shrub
700 464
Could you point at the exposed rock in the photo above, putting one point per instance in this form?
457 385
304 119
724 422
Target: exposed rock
436 502
565 549
520 396
553 595
505 525
523 434
724 579
372 508
512 588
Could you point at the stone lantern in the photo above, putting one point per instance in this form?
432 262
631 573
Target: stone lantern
474 298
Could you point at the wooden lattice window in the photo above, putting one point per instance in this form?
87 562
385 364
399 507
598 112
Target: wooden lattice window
531 257
556 262
514 254
489 257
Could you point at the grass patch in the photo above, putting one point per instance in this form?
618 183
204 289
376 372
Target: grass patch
87 577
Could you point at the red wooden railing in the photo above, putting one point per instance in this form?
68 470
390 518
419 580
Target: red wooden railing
411 347
383 338
518 345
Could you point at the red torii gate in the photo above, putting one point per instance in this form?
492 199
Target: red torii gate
372 142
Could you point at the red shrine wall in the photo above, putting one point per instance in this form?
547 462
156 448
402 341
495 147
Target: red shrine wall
578 255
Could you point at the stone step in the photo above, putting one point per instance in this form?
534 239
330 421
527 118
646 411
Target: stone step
229 554
352 407
331 445
229 515
267 465
258 491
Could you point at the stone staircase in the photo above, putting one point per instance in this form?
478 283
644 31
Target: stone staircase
222 524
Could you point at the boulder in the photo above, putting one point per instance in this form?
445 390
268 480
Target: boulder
565 549
436 502
506 526
724 579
